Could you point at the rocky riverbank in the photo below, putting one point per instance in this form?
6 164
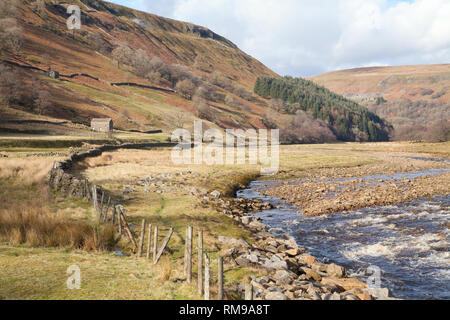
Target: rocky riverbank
316 198
292 274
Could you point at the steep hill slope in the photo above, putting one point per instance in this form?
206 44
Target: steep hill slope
145 72
89 69
407 96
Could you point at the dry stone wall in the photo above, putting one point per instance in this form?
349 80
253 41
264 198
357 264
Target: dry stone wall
62 180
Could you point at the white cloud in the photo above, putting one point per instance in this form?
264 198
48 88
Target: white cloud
304 37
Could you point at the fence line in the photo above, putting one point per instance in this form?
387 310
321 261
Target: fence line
204 260
200 263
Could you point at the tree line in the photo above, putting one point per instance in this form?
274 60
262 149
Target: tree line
348 120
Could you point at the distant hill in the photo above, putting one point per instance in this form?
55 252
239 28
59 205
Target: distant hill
412 98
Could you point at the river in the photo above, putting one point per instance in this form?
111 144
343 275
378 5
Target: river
409 242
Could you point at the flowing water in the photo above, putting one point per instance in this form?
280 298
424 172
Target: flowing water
409 242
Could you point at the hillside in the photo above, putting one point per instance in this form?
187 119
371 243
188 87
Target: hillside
412 98
89 68
346 119
145 72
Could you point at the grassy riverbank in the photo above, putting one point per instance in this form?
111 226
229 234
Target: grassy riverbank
167 200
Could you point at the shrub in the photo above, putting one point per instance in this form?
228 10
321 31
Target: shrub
186 88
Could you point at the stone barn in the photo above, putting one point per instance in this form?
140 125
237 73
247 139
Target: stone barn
102 125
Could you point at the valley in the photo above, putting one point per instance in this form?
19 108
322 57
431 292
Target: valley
356 206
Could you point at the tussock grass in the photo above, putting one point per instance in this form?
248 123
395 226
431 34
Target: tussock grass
28 214
26 171
39 227
166 269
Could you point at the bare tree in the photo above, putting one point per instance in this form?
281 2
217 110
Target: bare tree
206 92
180 117
154 77
10 86
8 8
277 105
179 73
220 80
242 93
43 100
141 63
186 88
229 101
11 37
439 131
122 54
205 112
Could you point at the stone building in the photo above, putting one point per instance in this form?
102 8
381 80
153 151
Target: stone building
102 124
53 74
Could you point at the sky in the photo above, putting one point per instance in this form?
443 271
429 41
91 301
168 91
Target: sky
310 37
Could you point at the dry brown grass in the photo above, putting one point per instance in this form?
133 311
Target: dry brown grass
166 269
39 227
29 214
28 171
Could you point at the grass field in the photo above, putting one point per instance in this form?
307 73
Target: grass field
30 272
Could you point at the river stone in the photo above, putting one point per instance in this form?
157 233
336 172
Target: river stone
346 284
270 248
311 274
351 297
249 219
282 276
276 265
215 194
306 259
293 252
252 258
243 262
319 267
275 296
334 270
332 296
379 293
235 242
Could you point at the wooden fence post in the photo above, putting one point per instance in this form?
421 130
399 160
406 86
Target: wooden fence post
200 263
149 241
164 245
94 199
220 282
101 206
188 255
207 275
155 244
105 217
128 231
119 219
113 214
248 291
141 239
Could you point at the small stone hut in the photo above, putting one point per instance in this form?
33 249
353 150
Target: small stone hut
102 124
53 74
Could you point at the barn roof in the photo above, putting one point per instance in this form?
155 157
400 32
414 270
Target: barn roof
101 120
